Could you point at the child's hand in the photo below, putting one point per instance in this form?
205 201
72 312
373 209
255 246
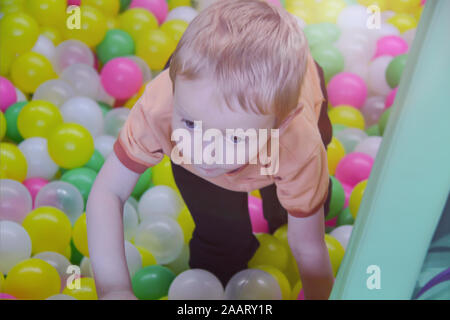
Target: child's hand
119 295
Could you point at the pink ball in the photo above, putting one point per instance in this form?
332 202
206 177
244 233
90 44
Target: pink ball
121 78
255 208
390 98
354 168
331 222
34 185
8 94
301 295
391 46
73 2
159 8
5 296
347 88
347 191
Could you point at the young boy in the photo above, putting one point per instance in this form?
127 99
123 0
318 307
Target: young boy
241 64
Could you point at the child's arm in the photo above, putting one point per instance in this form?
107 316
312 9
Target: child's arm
104 210
306 237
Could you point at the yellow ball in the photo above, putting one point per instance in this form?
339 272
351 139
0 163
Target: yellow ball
2 125
18 32
68 252
49 229
336 252
186 223
179 3
271 252
281 234
137 21
107 7
38 119
155 47
86 290
80 235
335 152
132 101
291 271
112 23
10 6
13 164
2 280
404 6
164 298
92 26
174 28
347 116
296 290
328 11
382 4
30 70
162 174
403 22
147 258
256 193
304 9
32 279
356 197
281 279
70 145
52 33
47 12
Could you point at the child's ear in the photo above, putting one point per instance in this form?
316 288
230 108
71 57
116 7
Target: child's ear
285 122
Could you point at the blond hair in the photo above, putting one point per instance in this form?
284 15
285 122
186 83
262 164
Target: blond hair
254 51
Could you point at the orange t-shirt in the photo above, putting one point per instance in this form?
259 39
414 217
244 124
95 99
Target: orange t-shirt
302 178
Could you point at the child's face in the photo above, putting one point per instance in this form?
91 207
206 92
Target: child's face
199 100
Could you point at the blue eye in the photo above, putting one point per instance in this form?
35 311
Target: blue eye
189 124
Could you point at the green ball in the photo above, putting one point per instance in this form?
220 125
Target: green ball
329 58
373 131
382 123
75 255
116 43
345 217
11 115
143 184
82 179
395 69
124 5
96 161
338 127
337 198
320 33
152 282
105 107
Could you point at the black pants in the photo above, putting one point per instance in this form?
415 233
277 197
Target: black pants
223 242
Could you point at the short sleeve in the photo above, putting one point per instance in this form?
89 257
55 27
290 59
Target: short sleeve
304 189
137 145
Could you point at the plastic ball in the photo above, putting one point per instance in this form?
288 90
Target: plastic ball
354 168
162 173
93 26
373 131
144 182
390 98
259 223
80 235
382 4
34 185
8 94
395 69
337 200
85 112
342 234
283 282
321 33
82 179
30 70
350 138
13 164
152 282
107 7
347 116
2 126
271 251
196 284
61 195
133 258
15 245
95 162
11 114
162 236
83 78
160 200
85 291
159 8
58 261
347 88
32 279
45 47
353 17
391 46
47 12
38 119
51 33
147 258
121 78
356 197
369 146
335 152
403 22
336 252
329 58
137 21
155 47
40 165
252 284
174 28
186 223
71 52
373 109
104 144
70 145
181 263
384 120
18 32
345 218
56 91
184 13
146 74
377 76
117 43
130 221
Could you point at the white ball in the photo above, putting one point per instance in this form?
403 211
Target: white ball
373 109
181 263
130 221
160 200
86 268
39 162
15 245
45 47
342 234
352 17
134 258
196 284
370 146
104 144
70 52
56 91
84 111
114 120
182 13
83 78
252 284
15 200
377 82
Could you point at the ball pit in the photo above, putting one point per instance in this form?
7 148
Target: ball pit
67 92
